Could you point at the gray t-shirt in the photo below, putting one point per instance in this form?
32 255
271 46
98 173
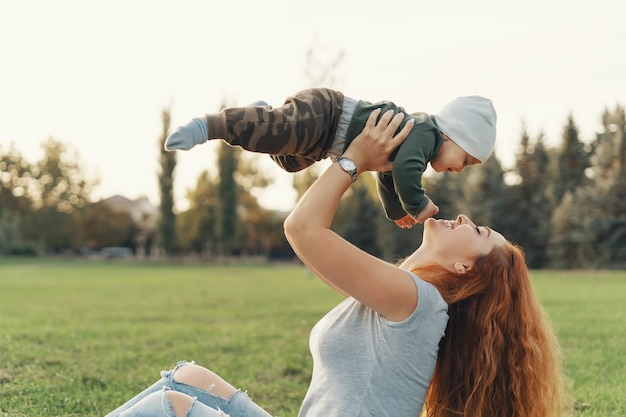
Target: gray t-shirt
366 365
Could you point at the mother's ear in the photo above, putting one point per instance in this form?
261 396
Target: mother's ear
461 268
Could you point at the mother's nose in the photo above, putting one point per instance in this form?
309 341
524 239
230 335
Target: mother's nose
462 218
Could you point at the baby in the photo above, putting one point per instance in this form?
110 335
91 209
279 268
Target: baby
319 123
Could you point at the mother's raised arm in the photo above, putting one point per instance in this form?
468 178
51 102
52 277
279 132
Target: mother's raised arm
344 267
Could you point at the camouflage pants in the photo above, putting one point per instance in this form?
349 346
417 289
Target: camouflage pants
296 134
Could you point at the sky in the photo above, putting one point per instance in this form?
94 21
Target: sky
96 75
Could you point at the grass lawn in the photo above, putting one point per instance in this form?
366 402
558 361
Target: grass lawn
78 338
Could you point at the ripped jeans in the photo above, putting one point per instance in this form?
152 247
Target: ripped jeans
155 400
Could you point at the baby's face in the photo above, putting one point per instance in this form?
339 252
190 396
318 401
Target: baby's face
452 157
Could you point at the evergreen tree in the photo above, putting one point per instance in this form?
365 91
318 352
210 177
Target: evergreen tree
319 73
570 163
601 205
394 243
224 215
528 200
258 227
446 190
355 221
228 196
562 248
609 149
484 194
197 227
167 161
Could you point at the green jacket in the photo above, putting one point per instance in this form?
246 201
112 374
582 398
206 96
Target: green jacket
400 191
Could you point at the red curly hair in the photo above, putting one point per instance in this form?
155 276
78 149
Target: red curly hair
499 356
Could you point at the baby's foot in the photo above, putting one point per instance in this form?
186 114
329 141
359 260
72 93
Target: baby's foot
186 137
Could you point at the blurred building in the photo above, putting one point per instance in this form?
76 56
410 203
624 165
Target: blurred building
145 216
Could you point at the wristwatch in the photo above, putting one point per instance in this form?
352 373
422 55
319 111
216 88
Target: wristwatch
349 166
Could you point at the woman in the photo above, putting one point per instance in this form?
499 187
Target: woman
455 328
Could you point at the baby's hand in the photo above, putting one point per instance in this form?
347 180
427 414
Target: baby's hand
406 222
430 210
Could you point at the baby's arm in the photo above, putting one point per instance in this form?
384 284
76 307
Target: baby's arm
430 210
408 167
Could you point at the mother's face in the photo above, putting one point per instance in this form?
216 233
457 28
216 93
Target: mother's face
459 242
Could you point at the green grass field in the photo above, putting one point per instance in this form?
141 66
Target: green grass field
78 338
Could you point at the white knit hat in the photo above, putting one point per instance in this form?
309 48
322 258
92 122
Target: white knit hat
471 123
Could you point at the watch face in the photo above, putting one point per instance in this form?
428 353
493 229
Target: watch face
348 164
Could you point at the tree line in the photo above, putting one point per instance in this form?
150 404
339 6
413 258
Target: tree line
564 205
